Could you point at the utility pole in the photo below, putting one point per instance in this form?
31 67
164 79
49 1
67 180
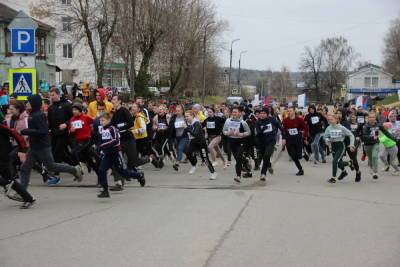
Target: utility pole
239 78
230 67
203 95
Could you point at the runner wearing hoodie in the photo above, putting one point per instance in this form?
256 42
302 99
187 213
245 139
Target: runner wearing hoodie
316 125
100 98
40 149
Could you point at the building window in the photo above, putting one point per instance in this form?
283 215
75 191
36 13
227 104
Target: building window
367 82
375 81
371 82
66 24
67 50
50 48
66 2
41 46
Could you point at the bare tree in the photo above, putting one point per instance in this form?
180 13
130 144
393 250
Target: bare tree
391 52
281 85
311 66
338 58
94 20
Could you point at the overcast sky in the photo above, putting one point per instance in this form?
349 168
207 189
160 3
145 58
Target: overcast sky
274 32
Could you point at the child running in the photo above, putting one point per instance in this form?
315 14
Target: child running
335 134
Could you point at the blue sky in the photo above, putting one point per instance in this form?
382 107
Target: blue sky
274 33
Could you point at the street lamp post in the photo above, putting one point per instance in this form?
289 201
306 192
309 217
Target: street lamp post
230 66
239 78
203 95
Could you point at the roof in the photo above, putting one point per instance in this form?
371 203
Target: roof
7 14
367 67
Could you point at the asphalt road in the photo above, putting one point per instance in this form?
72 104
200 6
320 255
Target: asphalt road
183 220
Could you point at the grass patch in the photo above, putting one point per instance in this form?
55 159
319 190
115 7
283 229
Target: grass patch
389 100
211 100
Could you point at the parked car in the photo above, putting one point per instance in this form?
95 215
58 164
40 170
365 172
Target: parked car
154 91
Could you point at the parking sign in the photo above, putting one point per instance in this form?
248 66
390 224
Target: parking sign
23 29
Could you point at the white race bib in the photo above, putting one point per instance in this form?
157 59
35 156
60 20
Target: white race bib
234 125
105 134
353 127
119 125
268 128
335 133
179 124
100 128
162 126
77 124
360 120
293 131
210 124
314 120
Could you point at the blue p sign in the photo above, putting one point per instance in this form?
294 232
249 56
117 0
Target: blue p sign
23 41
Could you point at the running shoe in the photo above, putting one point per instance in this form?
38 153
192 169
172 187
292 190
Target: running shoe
306 157
104 194
53 180
323 161
213 176
176 167
358 177
332 180
342 175
192 170
15 197
263 178
270 170
248 175
300 173
237 179
215 164
27 205
142 179
117 188
78 173
375 176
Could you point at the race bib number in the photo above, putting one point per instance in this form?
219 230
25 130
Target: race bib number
354 127
268 128
361 120
234 125
335 133
105 135
100 128
162 126
119 125
179 124
293 131
314 120
77 124
210 124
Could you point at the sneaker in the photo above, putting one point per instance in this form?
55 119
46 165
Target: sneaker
229 163
323 161
142 179
375 177
270 170
78 174
160 163
315 162
155 163
263 178
358 176
27 205
306 157
213 176
386 168
45 175
54 180
332 180
237 179
192 170
117 188
176 167
396 173
15 197
248 175
226 165
103 194
215 164
342 175
300 173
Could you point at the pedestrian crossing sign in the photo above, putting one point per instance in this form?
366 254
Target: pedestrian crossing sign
22 82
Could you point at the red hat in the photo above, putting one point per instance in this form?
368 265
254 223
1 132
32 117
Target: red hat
102 93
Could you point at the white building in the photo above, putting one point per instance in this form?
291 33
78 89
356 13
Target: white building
370 80
74 58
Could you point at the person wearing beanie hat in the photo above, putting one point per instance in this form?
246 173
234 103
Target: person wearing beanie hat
100 97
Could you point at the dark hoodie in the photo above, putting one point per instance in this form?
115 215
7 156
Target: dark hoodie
38 129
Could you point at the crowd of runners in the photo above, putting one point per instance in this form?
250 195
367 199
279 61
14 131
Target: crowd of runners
109 136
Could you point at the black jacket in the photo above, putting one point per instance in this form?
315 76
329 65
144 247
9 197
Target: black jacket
59 112
214 125
267 129
368 134
123 121
196 133
316 123
38 129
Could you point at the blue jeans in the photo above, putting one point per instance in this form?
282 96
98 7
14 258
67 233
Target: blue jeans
182 143
109 161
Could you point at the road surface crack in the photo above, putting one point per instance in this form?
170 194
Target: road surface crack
227 233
